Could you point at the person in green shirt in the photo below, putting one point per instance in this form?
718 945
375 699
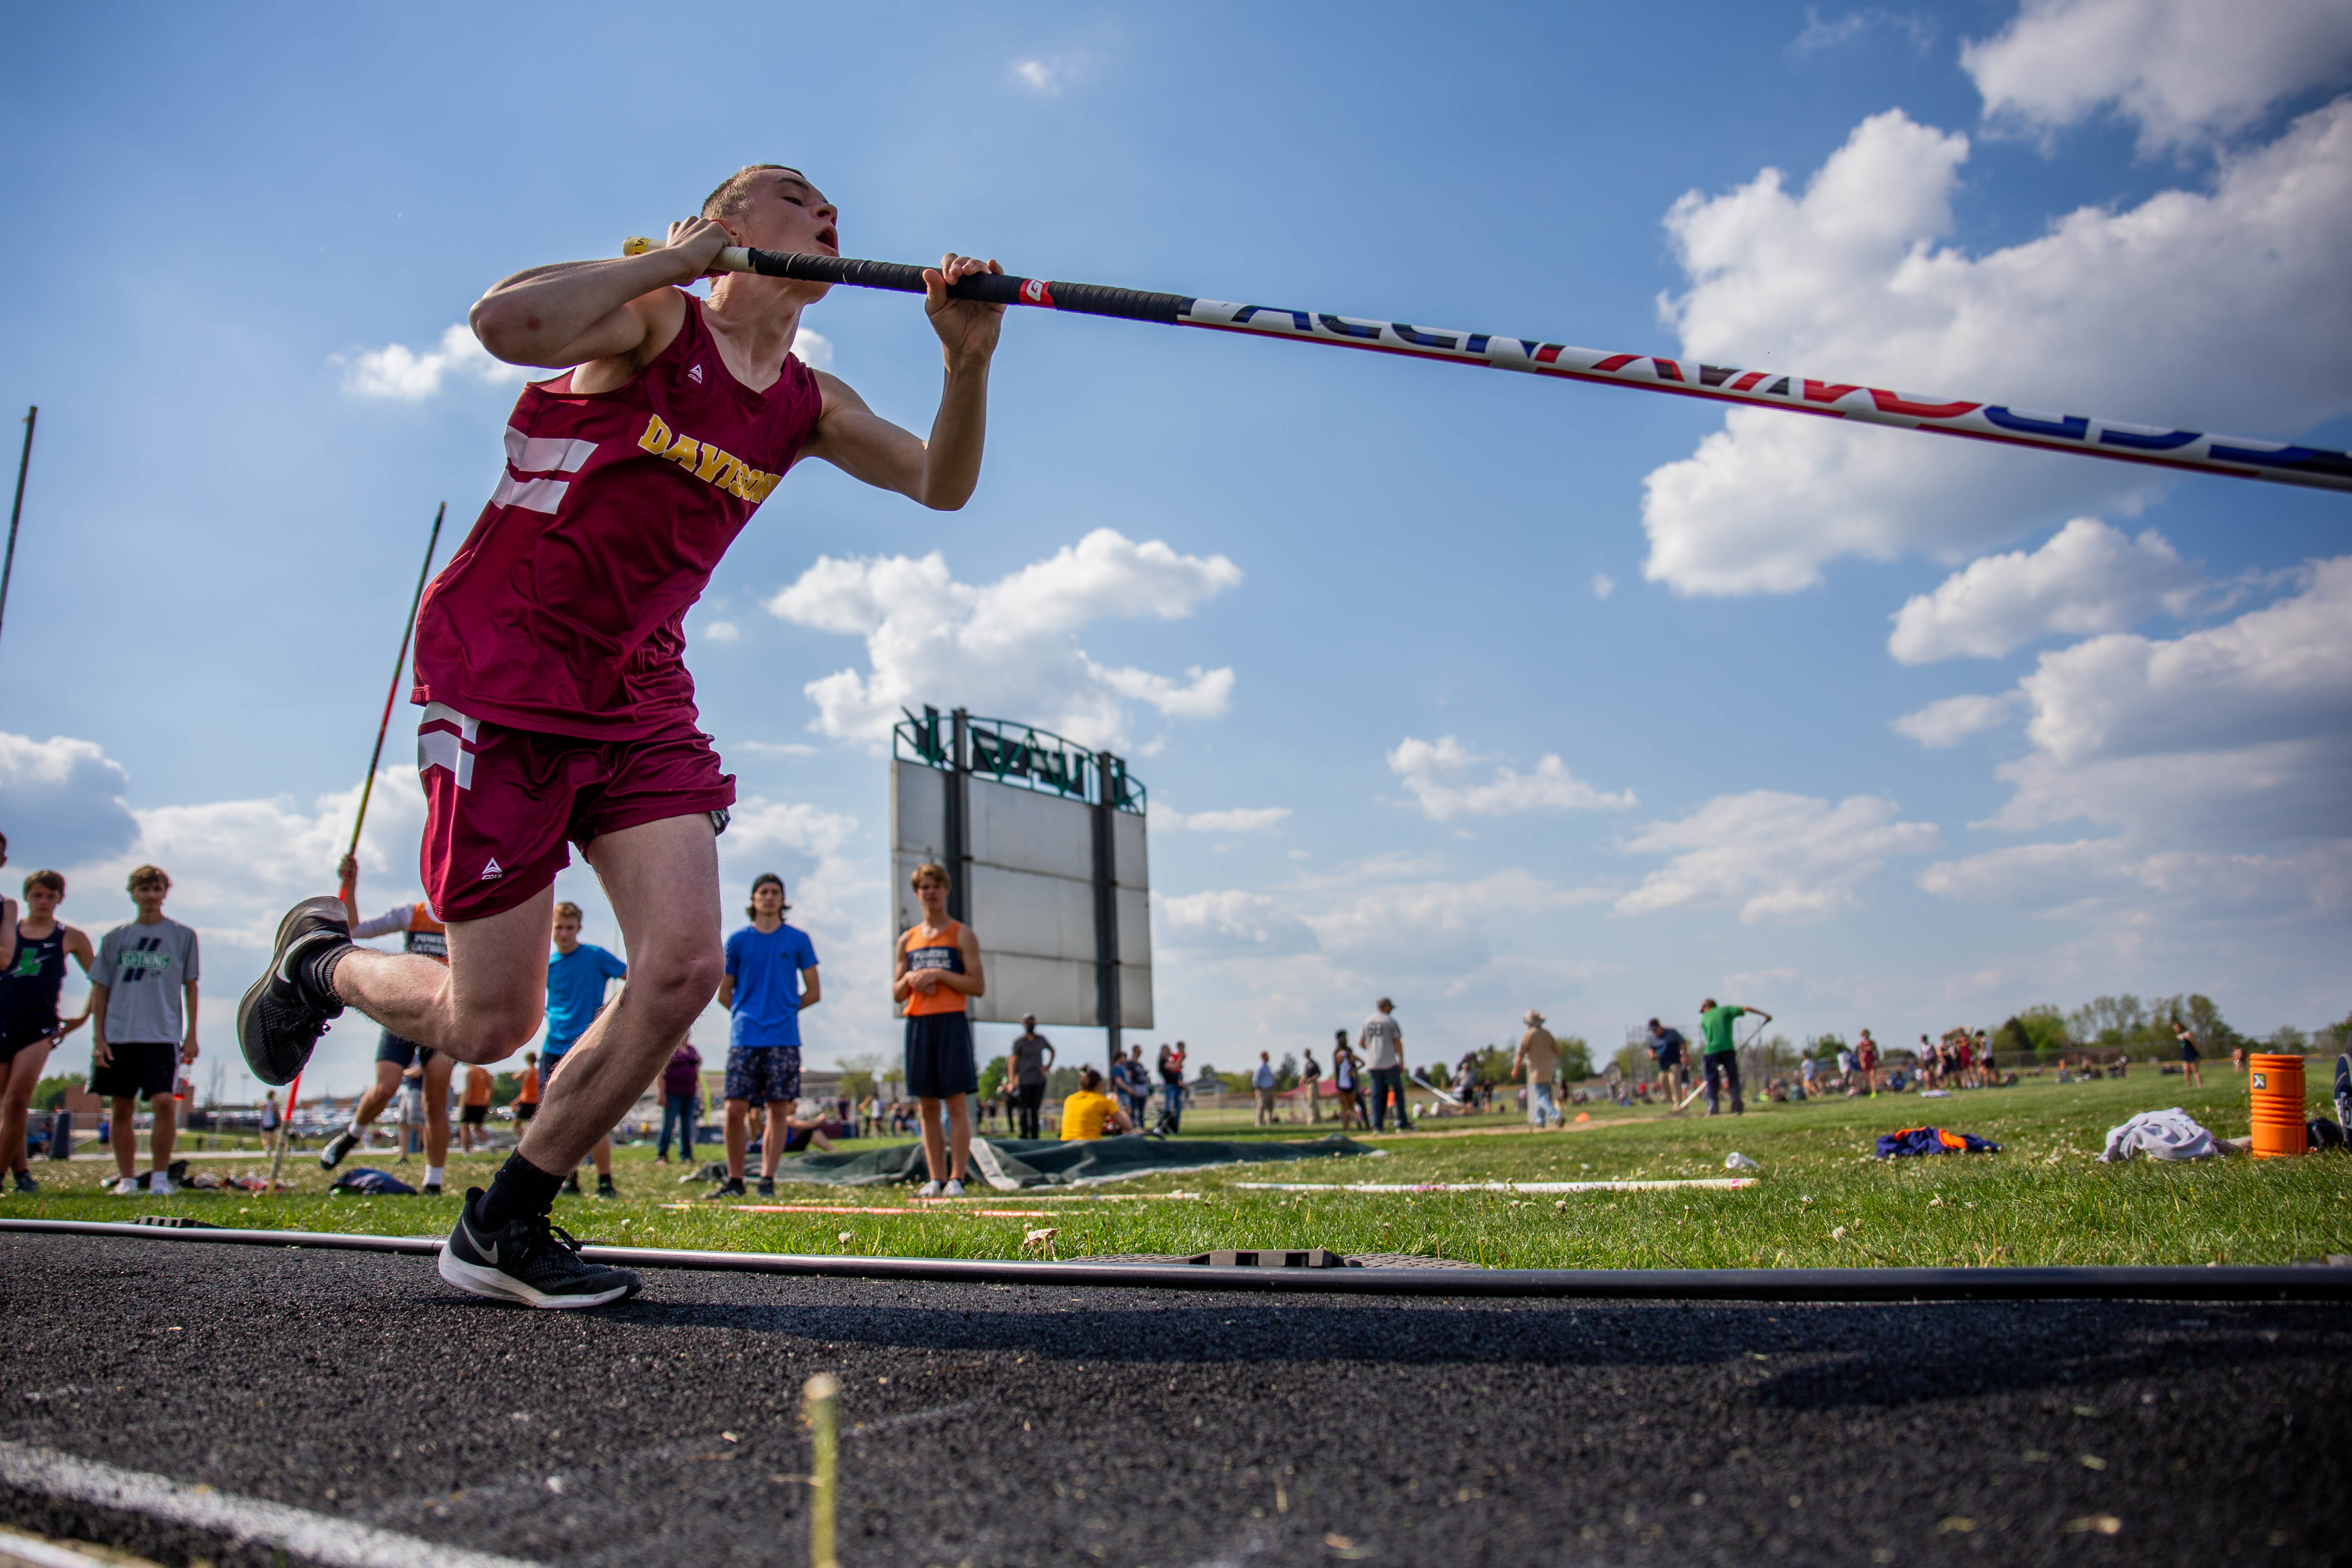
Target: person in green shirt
1722 1060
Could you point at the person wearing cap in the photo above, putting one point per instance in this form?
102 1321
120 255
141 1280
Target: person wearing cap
1538 1058
1033 1062
1382 1044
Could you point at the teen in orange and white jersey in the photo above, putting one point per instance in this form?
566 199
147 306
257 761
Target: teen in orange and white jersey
938 973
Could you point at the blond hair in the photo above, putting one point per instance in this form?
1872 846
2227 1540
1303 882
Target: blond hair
568 908
734 193
931 868
147 874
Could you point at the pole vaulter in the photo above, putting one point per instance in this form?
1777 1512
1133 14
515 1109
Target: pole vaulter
367 791
2238 457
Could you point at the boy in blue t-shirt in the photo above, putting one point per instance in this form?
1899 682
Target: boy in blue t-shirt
771 978
576 980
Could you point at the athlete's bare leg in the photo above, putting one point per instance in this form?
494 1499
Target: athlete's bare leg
436 1111
485 1003
15 1099
772 1142
372 1103
662 880
952 1144
739 1137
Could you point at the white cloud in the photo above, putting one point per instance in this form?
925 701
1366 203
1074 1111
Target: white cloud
1604 585
1239 819
409 375
2219 309
721 631
1048 75
2088 578
813 348
1774 856
1438 775
1824 33
2218 757
1955 719
1229 924
61 801
2187 71
1008 648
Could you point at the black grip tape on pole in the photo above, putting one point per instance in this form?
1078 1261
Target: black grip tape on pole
991 289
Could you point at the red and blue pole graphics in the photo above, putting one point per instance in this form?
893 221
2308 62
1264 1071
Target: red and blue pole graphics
2241 457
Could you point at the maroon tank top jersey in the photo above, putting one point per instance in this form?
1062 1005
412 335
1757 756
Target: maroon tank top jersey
564 612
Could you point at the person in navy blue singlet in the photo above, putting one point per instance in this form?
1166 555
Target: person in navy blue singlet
29 1024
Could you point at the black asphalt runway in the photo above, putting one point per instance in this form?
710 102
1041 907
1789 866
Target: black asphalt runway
1024 1424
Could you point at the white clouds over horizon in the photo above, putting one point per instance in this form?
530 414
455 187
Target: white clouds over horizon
2165 310
2089 577
1772 856
1437 772
1008 647
2185 71
398 373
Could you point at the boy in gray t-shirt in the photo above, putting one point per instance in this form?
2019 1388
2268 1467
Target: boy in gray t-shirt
143 1008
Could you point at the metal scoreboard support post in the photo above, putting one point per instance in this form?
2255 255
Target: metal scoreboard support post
1046 844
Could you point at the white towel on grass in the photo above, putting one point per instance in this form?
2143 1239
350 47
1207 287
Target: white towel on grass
2160 1135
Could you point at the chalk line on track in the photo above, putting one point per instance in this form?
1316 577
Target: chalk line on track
317 1537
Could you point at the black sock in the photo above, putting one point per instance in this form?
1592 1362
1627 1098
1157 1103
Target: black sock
317 972
519 1191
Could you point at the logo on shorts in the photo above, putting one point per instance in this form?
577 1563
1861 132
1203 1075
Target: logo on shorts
490 871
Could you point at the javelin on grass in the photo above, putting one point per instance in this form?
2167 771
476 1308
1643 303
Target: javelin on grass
294 1089
2239 456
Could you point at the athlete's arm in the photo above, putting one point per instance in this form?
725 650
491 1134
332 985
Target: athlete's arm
902 981
100 1055
188 998
810 992
726 992
573 312
943 472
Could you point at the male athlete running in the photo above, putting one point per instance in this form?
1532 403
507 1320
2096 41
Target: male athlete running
557 702
419 932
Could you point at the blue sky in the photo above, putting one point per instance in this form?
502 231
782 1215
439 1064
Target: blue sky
1479 693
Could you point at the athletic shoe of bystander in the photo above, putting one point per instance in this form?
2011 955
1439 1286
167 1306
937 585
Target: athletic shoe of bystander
722 1192
767 1186
605 1189
528 1260
126 1187
281 1017
159 1184
25 1183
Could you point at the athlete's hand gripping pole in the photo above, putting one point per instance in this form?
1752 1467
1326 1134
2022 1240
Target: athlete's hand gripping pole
2239 456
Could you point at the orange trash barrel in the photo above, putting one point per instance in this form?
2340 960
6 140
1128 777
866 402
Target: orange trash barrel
2277 1084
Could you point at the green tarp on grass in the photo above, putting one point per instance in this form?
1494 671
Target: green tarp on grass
1009 1164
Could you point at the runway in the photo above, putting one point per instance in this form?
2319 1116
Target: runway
347 1407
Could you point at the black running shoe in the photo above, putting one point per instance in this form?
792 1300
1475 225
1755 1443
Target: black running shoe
605 1189
530 1261
570 1185
767 1186
25 1183
280 1021
341 1144
432 1189
722 1192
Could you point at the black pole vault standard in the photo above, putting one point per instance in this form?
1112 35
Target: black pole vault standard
16 512
2218 1282
2244 457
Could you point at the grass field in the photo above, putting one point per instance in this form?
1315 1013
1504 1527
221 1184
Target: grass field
2044 1200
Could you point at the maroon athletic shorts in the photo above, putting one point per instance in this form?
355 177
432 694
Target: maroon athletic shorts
500 802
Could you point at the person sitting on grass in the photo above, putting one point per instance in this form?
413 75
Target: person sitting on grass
805 1127
1090 1113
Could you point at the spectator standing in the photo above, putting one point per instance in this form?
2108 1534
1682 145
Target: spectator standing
29 1024
1722 1059
770 979
1671 1051
1032 1063
273 1122
1382 1044
1172 1085
142 1012
474 1117
1090 1113
1846 1064
1261 1080
939 972
1539 1062
1808 1074
1311 1075
1347 1082
578 977
526 1105
681 1102
1866 1060
1135 1084
2191 1056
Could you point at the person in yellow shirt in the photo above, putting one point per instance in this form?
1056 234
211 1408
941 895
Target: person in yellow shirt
1090 1113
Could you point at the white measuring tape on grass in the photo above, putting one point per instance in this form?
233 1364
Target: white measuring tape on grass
1715 1184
